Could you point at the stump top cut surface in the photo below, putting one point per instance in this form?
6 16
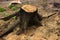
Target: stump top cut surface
29 8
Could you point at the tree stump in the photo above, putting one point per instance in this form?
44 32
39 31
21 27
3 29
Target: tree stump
29 16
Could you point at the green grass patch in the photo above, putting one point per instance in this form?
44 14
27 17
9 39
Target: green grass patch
12 7
2 9
6 13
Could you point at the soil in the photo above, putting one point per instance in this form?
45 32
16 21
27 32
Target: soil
50 29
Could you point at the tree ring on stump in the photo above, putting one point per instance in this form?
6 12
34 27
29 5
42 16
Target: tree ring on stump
29 8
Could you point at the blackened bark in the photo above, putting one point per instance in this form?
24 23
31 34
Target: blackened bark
10 28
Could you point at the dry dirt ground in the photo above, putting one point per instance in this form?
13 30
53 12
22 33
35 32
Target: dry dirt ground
50 29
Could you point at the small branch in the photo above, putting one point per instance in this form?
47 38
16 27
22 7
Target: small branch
10 28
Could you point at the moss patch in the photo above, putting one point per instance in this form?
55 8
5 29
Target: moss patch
2 9
13 8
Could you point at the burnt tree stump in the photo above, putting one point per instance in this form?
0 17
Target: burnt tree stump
29 16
